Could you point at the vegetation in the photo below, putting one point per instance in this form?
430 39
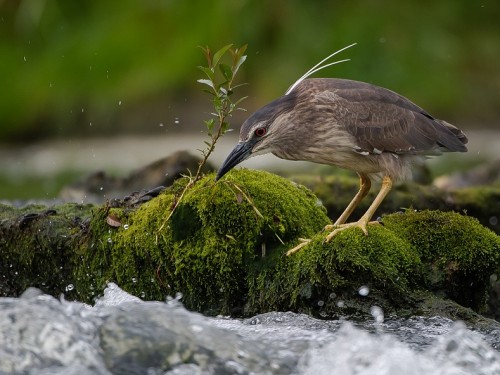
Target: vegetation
225 255
79 69
222 99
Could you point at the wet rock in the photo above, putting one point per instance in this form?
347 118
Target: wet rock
135 337
42 335
483 174
99 186
36 333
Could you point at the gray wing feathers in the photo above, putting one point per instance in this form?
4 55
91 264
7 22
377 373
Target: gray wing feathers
382 120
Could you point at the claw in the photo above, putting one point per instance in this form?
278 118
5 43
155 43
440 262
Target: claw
361 224
303 242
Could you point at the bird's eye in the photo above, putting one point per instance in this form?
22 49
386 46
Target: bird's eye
260 132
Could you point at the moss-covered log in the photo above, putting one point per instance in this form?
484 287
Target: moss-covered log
336 191
223 249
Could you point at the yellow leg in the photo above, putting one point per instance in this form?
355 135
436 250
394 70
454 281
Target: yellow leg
364 188
363 222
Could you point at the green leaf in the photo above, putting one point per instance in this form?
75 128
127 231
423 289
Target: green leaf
210 124
226 71
218 104
208 72
240 51
239 101
239 85
218 55
206 82
208 55
240 62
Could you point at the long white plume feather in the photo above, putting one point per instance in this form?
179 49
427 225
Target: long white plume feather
318 67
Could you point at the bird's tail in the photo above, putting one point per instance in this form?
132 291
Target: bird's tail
452 137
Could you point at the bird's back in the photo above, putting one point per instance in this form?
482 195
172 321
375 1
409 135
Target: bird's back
378 119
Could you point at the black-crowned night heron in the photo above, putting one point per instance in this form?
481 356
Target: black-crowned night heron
349 124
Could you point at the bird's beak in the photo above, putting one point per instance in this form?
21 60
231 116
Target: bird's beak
242 151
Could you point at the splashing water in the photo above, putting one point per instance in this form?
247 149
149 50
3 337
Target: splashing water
123 334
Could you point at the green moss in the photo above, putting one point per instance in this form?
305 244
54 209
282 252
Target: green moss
35 247
337 191
205 249
482 202
224 246
321 275
458 252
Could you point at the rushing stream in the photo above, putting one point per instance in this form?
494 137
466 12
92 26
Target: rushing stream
121 334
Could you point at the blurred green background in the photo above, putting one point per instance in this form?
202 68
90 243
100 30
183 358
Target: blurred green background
105 68
66 64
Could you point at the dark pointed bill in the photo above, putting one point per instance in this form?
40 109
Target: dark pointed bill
241 152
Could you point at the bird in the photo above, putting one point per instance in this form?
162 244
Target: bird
354 125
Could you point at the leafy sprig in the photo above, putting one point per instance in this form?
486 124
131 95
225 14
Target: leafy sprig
222 91
220 77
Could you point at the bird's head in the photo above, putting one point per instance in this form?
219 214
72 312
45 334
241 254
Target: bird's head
258 133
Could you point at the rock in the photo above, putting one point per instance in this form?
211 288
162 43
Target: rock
223 249
99 186
219 232
136 337
336 191
42 335
482 175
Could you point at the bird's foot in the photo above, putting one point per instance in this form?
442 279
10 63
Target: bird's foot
361 224
303 242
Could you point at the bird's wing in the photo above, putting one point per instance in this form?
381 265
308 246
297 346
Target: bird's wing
382 120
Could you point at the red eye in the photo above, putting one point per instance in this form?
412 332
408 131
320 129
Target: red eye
260 132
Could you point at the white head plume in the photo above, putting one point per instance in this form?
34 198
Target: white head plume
318 67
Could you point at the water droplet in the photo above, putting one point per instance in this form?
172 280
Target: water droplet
101 188
125 226
321 303
493 220
196 328
24 58
377 313
110 240
333 295
120 102
161 125
176 121
340 304
134 280
364 291
69 287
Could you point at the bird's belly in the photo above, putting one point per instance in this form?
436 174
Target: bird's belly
396 166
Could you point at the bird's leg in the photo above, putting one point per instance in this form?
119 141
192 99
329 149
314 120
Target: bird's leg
363 222
364 188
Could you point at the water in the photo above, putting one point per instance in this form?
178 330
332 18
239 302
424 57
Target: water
121 334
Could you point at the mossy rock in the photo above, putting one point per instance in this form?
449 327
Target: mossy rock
37 247
458 254
325 279
204 250
223 249
337 190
